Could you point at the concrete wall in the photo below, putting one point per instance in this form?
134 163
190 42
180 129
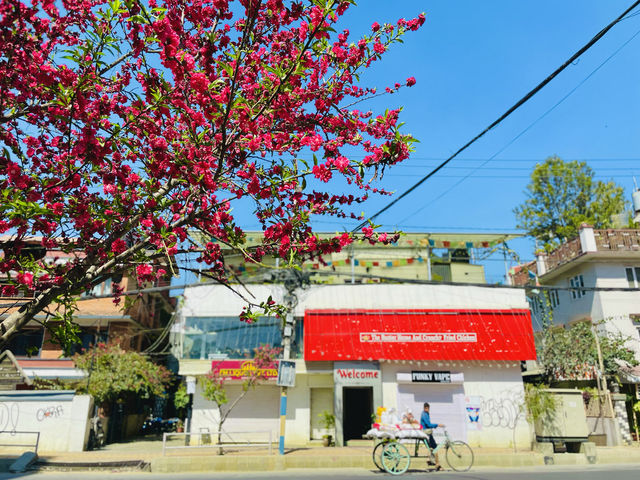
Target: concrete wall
495 388
61 417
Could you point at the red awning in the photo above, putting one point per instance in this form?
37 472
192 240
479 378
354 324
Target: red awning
438 334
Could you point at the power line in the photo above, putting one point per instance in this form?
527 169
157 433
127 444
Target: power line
475 169
464 177
519 169
512 109
415 158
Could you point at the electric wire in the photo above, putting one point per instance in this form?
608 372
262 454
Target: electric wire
496 122
531 125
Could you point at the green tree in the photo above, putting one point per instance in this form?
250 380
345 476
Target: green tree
561 196
115 373
568 353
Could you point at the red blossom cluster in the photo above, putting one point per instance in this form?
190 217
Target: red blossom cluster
125 124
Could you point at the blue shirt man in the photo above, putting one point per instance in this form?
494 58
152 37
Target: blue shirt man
425 419
425 423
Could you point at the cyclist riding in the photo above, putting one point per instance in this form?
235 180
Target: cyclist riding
425 423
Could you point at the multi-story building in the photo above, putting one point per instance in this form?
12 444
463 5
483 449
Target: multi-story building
606 259
593 273
99 319
360 343
438 257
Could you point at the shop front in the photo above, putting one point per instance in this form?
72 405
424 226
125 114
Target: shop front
464 363
357 387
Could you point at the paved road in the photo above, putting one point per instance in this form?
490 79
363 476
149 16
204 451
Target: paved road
611 472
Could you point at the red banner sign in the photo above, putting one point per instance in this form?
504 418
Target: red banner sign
339 335
241 369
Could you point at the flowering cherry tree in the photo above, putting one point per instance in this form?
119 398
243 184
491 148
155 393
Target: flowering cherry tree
125 125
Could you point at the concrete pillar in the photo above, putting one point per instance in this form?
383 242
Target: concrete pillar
541 263
587 238
620 410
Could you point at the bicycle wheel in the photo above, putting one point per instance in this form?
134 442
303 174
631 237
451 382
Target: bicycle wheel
377 455
395 458
459 456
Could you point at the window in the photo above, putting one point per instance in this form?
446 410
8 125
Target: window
576 282
554 299
27 343
217 338
88 338
633 276
104 288
635 319
536 305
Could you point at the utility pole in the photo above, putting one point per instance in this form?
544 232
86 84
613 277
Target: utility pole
507 279
352 257
602 375
292 280
286 355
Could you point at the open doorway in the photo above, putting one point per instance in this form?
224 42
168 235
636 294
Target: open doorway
357 411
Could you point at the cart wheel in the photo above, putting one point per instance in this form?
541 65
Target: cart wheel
377 455
395 458
459 456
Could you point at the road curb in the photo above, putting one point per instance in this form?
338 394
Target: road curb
235 463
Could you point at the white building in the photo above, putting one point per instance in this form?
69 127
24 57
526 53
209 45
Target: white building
608 259
358 347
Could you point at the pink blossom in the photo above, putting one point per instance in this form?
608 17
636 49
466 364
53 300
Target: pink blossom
144 270
25 278
118 246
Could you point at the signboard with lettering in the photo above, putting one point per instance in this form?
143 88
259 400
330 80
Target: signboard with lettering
356 373
430 377
242 369
287 373
420 334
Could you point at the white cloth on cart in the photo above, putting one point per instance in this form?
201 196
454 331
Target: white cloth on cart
401 431
375 433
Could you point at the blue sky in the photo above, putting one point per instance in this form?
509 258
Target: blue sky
473 60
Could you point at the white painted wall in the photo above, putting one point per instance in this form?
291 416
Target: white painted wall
215 300
614 307
495 387
258 411
61 417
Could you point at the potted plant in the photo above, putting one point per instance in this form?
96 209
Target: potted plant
179 426
328 421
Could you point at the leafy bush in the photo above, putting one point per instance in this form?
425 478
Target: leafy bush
539 403
114 372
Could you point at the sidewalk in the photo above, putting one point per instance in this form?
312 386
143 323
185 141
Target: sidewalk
149 451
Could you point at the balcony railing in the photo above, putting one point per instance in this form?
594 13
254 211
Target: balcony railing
617 240
564 253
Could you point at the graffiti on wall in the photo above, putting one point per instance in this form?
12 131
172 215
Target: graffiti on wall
9 416
53 411
502 411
